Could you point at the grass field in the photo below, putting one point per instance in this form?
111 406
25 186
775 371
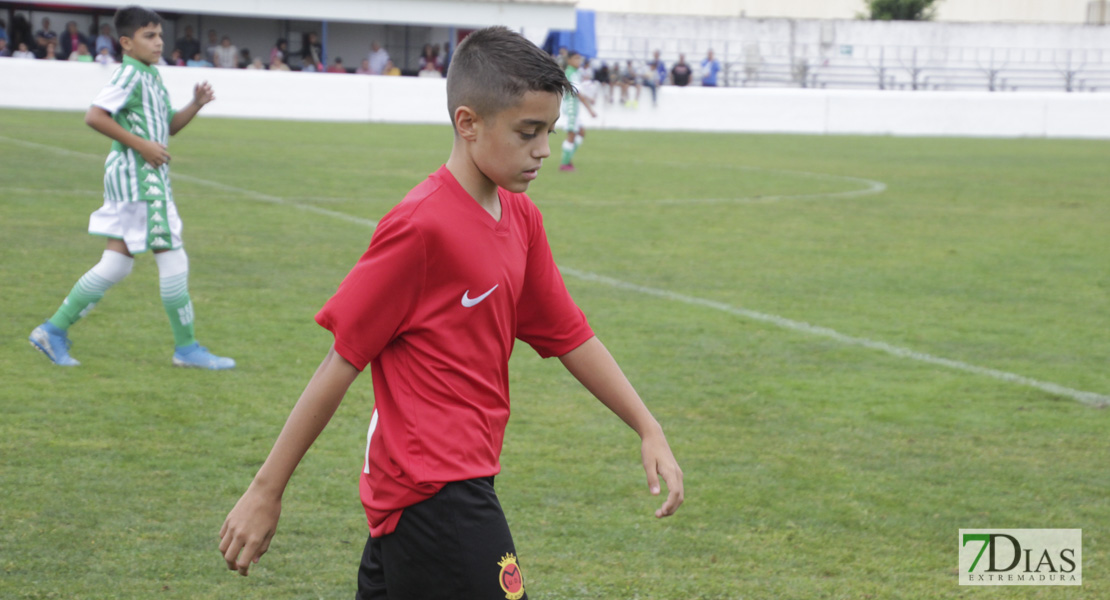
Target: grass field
747 285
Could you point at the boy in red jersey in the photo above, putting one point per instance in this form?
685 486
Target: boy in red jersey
453 274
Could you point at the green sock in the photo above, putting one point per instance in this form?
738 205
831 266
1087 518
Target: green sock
88 290
179 307
568 152
81 299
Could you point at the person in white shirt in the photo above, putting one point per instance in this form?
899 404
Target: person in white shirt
23 52
226 55
377 57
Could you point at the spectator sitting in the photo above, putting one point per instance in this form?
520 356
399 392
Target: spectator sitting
51 51
105 40
364 68
377 58
176 59
601 76
45 36
429 60
245 58
337 67
198 61
680 72
659 68
4 31
81 54
226 55
589 87
5 52
653 75
629 77
104 57
390 69
256 65
710 68
23 52
307 66
72 39
277 64
280 50
188 44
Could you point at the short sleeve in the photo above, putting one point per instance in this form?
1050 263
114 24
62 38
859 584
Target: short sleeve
376 300
113 97
547 317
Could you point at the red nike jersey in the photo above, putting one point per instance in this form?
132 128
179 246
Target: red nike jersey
434 306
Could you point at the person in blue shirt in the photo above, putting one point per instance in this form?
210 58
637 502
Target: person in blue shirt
709 70
654 75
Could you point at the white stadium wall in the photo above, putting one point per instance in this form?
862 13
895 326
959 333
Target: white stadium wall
354 98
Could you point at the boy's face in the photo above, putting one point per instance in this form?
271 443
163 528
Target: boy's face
511 145
575 61
145 46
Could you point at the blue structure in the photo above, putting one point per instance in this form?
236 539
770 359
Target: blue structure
582 40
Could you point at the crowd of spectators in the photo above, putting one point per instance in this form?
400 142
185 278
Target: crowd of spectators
627 79
18 41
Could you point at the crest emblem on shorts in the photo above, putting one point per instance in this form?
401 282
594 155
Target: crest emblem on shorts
512 581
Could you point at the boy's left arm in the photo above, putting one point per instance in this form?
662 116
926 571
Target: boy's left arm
596 369
202 94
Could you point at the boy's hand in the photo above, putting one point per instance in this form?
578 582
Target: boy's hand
203 94
153 153
248 529
659 462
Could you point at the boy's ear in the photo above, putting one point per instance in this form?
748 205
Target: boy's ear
125 43
466 123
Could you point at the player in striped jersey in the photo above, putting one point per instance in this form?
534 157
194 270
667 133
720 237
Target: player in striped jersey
570 112
139 213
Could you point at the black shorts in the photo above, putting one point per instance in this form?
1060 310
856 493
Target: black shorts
453 545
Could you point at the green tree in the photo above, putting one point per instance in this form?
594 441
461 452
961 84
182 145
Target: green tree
901 10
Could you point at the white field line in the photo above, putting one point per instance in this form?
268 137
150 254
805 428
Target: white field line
54 192
1088 398
208 183
869 187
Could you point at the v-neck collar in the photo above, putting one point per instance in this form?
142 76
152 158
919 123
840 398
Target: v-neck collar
480 212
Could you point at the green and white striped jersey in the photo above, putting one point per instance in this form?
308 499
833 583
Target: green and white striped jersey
139 102
571 101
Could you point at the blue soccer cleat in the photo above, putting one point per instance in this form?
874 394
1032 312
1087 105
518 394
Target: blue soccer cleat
198 357
52 342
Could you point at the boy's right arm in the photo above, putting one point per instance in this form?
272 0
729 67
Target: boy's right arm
249 527
102 121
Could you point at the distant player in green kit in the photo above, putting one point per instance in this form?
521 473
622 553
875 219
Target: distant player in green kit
571 105
138 213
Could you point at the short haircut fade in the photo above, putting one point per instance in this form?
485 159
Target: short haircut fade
494 67
130 19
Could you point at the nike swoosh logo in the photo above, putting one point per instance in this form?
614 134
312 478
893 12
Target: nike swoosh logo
468 302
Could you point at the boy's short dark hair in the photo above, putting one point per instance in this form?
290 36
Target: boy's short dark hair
494 67
130 19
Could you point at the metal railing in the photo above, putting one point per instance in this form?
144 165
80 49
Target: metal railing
783 63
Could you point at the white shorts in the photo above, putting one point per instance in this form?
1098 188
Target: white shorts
128 221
